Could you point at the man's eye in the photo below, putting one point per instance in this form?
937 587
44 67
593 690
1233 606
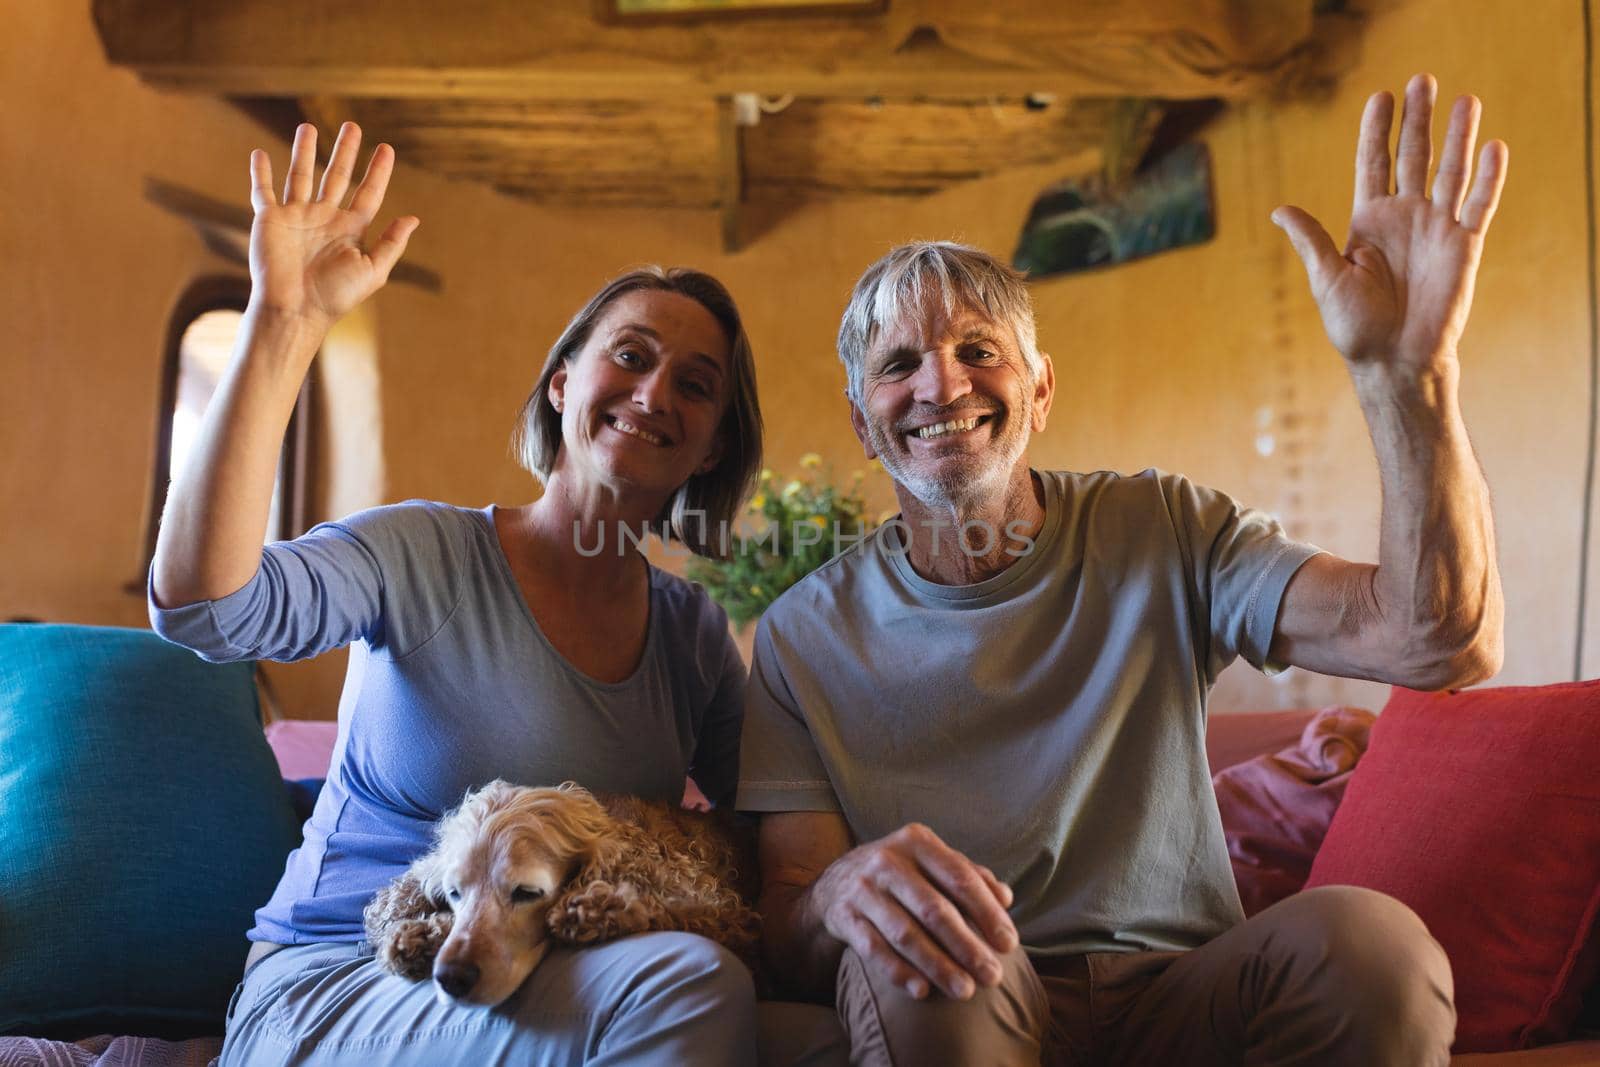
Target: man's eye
524 894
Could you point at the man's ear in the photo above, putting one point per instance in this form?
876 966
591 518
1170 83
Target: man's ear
858 423
1044 393
557 390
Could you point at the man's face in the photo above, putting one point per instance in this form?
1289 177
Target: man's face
948 404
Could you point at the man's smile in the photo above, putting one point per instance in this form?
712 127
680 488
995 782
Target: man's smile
940 429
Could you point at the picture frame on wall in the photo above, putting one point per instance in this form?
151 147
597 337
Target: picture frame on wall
637 11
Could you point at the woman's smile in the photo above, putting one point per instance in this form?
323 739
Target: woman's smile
632 429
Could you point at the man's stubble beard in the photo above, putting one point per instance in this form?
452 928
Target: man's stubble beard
961 489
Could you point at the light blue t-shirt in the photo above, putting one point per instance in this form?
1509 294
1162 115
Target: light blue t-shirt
451 683
1048 722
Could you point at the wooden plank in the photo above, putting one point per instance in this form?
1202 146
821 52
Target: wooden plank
731 172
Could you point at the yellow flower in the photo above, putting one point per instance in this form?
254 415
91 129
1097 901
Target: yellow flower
875 464
819 522
755 590
811 461
766 475
857 474
758 502
791 490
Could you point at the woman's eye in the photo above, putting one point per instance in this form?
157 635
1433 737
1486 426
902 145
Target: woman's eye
700 389
453 895
629 357
523 894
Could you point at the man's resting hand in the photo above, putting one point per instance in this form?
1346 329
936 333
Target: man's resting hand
919 912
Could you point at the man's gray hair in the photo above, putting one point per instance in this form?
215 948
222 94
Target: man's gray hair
901 284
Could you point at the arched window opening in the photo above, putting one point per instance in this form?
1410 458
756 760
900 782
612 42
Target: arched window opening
200 342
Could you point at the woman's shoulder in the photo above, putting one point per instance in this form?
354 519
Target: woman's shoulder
413 524
689 616
693 637
685 600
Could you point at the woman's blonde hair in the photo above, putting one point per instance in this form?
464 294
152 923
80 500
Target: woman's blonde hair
702 511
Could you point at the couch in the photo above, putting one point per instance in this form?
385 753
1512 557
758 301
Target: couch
145 812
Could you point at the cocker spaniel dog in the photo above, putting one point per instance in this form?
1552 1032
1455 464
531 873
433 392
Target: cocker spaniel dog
515 868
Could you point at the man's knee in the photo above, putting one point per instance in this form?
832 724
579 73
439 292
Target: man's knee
1371 938
1002 1024
1371 959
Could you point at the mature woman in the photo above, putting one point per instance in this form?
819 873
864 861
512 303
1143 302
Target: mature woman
487 643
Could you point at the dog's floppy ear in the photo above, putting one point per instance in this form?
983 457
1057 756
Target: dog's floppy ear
427 872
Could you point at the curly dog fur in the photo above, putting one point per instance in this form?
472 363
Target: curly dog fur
515 868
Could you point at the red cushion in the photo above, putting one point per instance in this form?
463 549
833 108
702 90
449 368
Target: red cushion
1481 810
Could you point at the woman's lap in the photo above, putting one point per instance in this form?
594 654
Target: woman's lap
653 998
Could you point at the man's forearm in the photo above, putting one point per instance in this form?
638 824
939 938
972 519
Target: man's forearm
1437 584
800 954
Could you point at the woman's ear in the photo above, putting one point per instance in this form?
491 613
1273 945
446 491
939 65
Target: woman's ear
713 457
557 390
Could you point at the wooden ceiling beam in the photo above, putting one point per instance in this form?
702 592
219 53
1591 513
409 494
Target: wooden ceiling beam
608 83
558 49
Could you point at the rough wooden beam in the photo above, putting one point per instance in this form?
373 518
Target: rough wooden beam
596 152
557 49
827 147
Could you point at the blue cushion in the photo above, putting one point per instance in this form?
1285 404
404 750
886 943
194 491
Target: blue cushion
142 821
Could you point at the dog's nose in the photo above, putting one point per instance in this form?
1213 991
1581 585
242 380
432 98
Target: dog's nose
457 979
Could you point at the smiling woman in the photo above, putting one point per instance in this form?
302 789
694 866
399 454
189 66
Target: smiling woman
695 361
485 645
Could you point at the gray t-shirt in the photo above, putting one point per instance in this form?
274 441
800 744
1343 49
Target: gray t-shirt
1048 722
452 683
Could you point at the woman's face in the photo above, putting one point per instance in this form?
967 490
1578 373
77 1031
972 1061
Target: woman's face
642 400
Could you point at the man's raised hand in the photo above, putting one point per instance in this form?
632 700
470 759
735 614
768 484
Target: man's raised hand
1399 294
307 252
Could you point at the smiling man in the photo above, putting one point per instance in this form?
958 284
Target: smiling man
977 739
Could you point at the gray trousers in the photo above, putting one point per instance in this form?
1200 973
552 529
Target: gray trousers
1335 976
664 999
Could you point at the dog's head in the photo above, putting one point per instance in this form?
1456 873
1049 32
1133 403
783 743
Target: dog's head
497 864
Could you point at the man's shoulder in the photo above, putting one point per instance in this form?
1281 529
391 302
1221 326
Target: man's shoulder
1111 496
836 585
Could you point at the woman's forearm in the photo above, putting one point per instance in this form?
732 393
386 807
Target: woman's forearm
215 520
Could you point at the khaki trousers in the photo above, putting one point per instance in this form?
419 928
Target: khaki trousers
1331 976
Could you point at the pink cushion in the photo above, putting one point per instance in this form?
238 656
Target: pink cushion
1234 738
304 748
1276 808
1481 810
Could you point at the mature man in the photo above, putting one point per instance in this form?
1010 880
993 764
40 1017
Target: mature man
978 737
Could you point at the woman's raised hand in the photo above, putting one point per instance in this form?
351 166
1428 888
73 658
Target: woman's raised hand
307 256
